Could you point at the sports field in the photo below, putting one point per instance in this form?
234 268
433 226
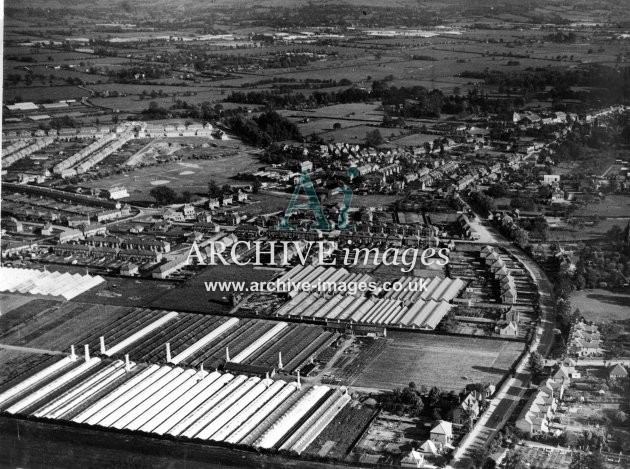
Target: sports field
187 175
444 361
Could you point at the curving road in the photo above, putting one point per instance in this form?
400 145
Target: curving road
507 397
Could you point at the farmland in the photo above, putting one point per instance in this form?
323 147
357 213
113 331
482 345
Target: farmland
337 439
54 325
443 361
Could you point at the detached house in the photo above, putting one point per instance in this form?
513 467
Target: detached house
442 433
469 407
509 330
413 459
617 373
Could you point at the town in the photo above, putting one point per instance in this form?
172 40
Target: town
397 236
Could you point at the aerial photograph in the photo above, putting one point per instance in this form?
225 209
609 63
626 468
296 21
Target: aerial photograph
315 234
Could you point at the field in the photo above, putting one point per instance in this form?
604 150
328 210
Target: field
588 232
602 305
443 361
11 317
190 175
337 438
10 302
123 291
35 444
55 93
538 457
13 363
613 206
54 325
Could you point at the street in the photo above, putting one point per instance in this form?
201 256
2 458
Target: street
507 397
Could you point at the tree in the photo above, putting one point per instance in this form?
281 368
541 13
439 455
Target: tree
536 364
434 397
583 460
468 416
213 188
186 196
521 238
163 195
514 460
374 138
256 185
479 456
449 323
336 126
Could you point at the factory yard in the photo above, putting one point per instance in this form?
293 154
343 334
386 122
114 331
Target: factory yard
447 362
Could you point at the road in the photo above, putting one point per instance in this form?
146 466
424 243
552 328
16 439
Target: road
507 397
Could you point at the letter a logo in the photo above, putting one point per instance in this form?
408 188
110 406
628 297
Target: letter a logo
313 204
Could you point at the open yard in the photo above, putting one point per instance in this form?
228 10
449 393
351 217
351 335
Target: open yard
193 296
443 361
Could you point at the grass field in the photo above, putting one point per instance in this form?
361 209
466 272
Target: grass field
188 175
596 231
602 305
443 361
613 206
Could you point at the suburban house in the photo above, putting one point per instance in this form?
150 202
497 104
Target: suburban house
413 459
428 448
584 340
442 433
538 411
509 330
469 407
617 372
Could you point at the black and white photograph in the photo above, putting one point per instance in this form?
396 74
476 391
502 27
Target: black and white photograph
315 234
